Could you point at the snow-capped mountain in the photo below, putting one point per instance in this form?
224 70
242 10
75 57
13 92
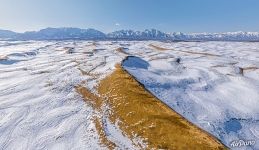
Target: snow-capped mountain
151 34
228 36
154 34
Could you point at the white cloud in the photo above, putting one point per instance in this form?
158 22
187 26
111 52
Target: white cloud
117 24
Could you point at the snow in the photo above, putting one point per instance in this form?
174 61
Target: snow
204 89
40 108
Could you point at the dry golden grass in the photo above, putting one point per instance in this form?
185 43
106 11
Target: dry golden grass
141 114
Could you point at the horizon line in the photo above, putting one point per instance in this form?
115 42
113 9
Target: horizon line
129 29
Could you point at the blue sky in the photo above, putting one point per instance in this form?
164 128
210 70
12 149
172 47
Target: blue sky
110 15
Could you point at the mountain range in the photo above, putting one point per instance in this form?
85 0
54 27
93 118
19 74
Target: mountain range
148 34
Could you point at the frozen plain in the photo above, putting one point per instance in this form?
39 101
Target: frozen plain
215 85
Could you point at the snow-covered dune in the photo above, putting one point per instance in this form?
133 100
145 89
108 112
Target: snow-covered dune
39 106
213 84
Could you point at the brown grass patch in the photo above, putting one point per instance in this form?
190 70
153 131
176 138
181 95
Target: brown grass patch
142 114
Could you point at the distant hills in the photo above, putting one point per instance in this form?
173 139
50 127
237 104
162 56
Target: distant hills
54 34
151 34
7 34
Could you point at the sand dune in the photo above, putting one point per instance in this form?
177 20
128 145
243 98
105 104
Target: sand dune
71 95
141 114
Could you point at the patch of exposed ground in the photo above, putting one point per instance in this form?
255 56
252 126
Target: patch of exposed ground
158 47
3 57
143 115
242 70
189 52
122 50
88 73
161 58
